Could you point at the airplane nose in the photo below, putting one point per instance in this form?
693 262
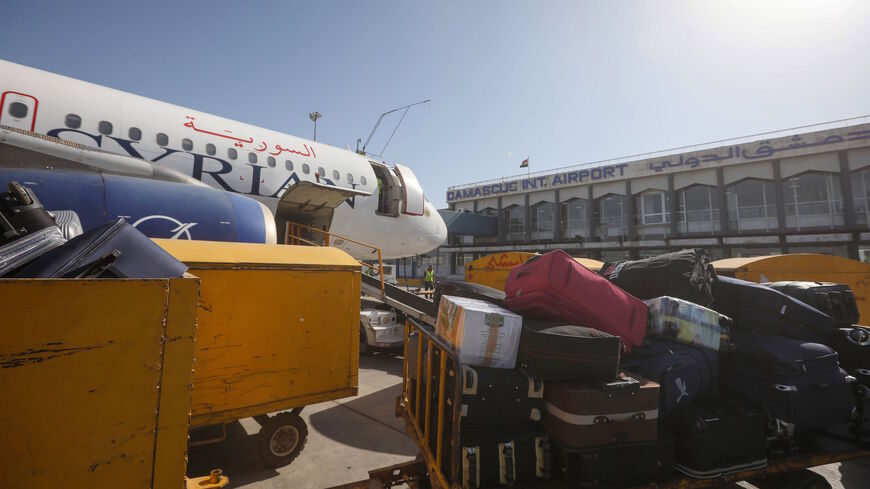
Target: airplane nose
439 235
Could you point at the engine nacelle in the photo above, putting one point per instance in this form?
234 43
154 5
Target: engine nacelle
157 208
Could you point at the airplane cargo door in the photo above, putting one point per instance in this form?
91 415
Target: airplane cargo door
414 201
18 110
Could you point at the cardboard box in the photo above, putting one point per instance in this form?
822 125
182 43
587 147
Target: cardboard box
485 335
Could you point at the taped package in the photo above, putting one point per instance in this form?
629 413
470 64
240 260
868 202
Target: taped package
484 334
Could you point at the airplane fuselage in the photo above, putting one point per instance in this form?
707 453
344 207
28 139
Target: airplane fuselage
220 152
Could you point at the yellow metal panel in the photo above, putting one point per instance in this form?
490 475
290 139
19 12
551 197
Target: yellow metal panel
493 270
804 266
271 335
216 252
170 464
80 374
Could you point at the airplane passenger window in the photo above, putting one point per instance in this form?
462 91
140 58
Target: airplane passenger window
349 178
17 110
210 149
362 181
271 161
305 168
162 139
252 157
232 154
73 121
335 175
104 127
321 171
134 133
288 164
187 144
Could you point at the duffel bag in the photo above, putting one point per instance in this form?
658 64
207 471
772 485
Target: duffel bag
686 274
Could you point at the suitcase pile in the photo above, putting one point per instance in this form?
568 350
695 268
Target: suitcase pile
33 245
656 361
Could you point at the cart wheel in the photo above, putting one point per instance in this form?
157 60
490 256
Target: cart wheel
282 438
364 348
801 479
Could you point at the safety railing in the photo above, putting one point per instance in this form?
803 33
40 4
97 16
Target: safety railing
432 416
293 235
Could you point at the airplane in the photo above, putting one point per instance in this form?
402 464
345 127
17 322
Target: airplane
298 180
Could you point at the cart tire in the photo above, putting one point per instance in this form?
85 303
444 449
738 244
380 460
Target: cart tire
364 348
282 438
801 479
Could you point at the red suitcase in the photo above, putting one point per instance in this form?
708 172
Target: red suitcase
558 288
585 414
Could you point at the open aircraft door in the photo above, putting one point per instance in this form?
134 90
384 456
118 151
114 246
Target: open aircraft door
312 204
414 203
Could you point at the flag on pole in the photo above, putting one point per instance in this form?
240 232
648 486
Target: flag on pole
525 163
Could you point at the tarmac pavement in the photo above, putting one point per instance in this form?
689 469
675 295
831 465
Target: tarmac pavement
349 437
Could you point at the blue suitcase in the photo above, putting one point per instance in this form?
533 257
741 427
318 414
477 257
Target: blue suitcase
760 308
796 382
684 372
115 249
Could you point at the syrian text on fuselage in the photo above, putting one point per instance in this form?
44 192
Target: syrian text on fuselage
200 163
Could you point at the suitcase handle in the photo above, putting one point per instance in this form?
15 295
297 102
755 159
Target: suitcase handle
635 418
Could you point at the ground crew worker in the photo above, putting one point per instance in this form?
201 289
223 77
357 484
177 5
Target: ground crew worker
429 278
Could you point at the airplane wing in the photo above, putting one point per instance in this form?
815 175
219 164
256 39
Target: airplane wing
313 203
25 149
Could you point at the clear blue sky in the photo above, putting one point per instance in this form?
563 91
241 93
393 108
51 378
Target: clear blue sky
562 82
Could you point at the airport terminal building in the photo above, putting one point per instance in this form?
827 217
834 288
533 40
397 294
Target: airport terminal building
804 190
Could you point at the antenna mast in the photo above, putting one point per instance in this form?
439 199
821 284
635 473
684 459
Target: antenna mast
378 123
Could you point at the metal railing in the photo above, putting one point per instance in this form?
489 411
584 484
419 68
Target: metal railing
293 236
431 422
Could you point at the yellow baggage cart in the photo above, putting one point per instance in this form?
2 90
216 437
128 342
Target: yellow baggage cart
278 330
95 378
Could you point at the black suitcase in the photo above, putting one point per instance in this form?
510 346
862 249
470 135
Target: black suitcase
21 214
796 382
568 352
504 459
852 345
471 290
493 397
835 300
686 274
719 436
767 310
114 249
620 465
684 373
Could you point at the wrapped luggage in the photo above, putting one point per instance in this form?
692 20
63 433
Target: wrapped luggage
852 345
719 436
471 290
504 459
586 414
484 335
684 373
797 382
686 274
685 322
555 287
622 465
115 249
494 397
568 352
769 311
835 300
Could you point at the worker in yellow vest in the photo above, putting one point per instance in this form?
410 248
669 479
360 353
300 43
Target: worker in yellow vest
429 278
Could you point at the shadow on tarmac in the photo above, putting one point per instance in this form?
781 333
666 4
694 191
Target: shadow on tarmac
237 456
366 422
387 361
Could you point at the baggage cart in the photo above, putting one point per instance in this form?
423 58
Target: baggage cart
437 466
95 376
278 330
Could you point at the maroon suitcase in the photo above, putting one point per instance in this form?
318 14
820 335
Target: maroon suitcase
586 414
558 288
